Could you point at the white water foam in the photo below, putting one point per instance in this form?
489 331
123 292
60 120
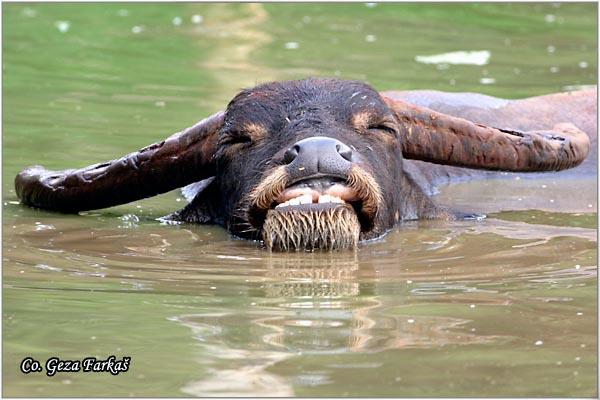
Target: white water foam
481 57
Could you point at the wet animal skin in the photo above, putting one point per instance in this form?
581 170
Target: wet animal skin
309 164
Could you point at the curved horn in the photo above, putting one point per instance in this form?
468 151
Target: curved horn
181 159
443 139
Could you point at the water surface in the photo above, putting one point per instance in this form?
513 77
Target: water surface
504 306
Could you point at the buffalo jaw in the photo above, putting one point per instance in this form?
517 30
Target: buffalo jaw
315 213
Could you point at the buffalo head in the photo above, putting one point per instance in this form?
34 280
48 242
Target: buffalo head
315 163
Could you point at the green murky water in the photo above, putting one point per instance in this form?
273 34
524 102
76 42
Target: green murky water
500 307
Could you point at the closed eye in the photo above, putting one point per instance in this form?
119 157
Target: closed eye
235 137
244 134
369 122
385 127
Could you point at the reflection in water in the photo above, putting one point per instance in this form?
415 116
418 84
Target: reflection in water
425 287
235 40
313 306
248 377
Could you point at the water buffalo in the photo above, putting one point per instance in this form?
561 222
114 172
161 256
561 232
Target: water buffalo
324 163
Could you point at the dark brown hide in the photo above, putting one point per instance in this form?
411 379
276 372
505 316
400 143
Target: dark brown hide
183 158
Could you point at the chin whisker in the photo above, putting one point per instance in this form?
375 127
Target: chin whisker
330 228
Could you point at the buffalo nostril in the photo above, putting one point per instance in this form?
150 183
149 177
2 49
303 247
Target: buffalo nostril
291 154
344 151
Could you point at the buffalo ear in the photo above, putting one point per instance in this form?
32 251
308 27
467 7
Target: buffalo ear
190 191
180 159
202 207
439 138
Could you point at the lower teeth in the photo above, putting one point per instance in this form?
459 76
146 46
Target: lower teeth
307 199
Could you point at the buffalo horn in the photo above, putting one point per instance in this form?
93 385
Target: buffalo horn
181 159
442 139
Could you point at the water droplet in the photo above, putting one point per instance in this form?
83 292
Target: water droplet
410 321
29 12
291 45
554 69
487 81
213 287
539 343
130 218
197 19
550 49
93 338
370 38
472 306
550 18
43 227
160 104
583 64
137 29
47 267
577 266
62 26
177 21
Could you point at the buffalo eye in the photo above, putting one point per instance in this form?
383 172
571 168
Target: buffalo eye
369 122
384 123
385 127
235 137
244 134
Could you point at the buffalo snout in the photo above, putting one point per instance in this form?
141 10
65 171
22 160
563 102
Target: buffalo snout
318 156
